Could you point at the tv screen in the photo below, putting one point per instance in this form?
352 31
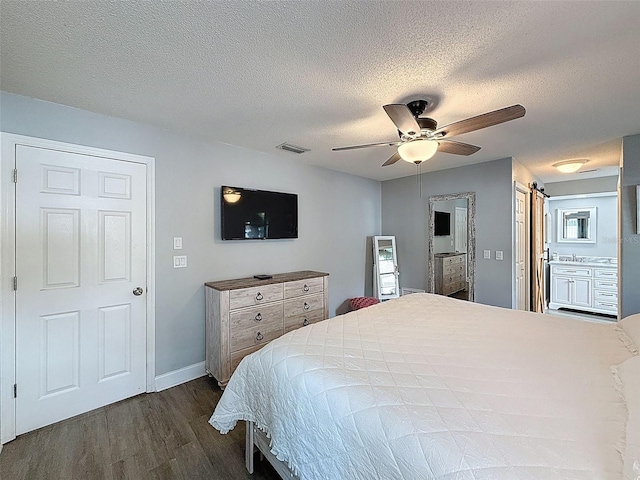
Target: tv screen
442 224
257 214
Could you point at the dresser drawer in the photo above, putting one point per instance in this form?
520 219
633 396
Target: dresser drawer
453 288
572 271
297 321
255 326
246 297
453 269
303 287
454 260
606 285
236 357
302 305
606 273
456 278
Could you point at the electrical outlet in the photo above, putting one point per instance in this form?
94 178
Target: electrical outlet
486 254
177 243
180 261
499 254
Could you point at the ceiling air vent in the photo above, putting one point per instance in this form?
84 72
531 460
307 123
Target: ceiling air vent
292 148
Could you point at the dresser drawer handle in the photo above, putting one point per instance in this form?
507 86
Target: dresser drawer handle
306 306
259 296
259 337
305 323
258 317
607 295
608 284
305 288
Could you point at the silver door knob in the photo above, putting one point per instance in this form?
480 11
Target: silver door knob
138 291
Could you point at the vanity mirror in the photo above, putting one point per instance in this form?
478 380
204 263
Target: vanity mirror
576 225
452 257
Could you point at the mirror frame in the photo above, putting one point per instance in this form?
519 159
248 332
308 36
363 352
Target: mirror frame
593 222
377 287
471 239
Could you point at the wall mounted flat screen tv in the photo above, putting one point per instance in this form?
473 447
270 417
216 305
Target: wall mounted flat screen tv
442 224
257 214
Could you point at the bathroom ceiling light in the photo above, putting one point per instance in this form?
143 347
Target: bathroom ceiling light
570 166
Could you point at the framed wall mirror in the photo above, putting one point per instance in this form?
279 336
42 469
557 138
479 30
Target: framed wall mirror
576 225
386 281
452 245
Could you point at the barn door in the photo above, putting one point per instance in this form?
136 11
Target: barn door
538 289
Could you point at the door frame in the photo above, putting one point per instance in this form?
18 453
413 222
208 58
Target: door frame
8 143
518 187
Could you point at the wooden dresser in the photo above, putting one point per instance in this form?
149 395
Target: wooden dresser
450 272
244 314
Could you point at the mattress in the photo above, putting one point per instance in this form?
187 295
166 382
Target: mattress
429 387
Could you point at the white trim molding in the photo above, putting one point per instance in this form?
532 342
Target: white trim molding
8 143
177 377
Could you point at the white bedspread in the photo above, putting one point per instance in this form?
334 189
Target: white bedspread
428 387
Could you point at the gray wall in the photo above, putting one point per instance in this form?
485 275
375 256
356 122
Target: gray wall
606 227
404 214
576 187
629 252
337 212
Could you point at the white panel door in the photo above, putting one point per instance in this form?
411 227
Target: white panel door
80 254
520 252
460 229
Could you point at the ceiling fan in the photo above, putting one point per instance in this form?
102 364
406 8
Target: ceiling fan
420 137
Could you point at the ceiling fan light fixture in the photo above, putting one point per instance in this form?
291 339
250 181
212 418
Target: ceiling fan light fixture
570 166
417 151
231 196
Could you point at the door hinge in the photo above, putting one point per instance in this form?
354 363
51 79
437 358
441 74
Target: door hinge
15 283
15 175
15 390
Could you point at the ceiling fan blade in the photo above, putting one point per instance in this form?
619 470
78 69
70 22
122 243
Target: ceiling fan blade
482 121
366 145
392 159
402 118
457 148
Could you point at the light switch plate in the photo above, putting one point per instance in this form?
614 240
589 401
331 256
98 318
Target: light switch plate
180 261
177 243
486 254
499 254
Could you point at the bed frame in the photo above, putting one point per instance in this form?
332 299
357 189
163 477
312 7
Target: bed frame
256 438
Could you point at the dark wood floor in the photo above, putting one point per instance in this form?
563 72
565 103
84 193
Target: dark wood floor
461 295
162 435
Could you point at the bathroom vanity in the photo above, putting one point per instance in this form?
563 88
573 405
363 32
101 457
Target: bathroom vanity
585 283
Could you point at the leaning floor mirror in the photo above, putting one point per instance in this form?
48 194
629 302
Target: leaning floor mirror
452 245
386 283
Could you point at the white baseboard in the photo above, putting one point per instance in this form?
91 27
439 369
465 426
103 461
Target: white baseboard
182 375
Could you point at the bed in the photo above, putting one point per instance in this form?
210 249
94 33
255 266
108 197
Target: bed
429 387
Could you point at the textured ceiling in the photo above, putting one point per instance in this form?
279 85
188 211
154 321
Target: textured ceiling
315 73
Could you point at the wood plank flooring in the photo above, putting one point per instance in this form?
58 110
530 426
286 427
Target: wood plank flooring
163 435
